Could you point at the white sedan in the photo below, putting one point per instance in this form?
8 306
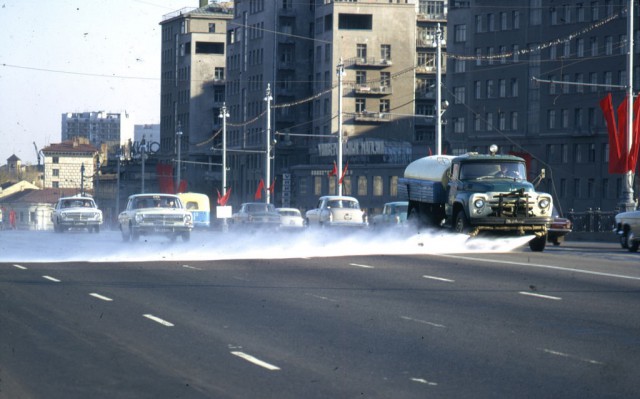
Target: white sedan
290 218
628 229
334 210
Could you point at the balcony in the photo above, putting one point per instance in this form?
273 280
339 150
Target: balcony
373 90
369 62
376 117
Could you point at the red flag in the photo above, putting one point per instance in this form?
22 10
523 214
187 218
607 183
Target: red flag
430 153
344 172
632 158
621 166
222 199
258 194
182 188
273 185
334 171
615 147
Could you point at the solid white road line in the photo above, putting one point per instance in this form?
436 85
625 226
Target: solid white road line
564 269
104 298
555 298
191 267
256 361
446 280
20 267
363 266
158 320
55 280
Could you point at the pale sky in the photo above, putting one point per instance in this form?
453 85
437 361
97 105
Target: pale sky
59 56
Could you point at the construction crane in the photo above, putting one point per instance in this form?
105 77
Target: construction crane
37 153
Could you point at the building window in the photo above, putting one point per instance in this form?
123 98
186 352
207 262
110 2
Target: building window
218 73
55 184
478 23
477 89
212 28
460 33
564 153
514 87
459 95
361 51
361 77
393 186
514 120
565 118
576 188
377 186
385 52
346 186
385 105
502 121
458 125
317 185
502 87
361 105
55 172
362 185
515 17
55 160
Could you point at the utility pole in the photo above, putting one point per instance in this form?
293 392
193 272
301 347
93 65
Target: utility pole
340 72
143 150
82 179
224 115
438 91
179 143
628 204
267 175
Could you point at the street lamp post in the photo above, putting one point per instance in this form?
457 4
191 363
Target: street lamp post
82 179
143 150
179 144
268 98
97 178
224 115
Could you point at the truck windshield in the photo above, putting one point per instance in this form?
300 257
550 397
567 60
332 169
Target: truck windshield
497 170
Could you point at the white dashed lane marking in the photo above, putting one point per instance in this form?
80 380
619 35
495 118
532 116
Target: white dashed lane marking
446 280
101 297
555 298
158 320
55 280
256 361
20 267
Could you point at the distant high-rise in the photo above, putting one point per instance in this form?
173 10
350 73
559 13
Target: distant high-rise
99 128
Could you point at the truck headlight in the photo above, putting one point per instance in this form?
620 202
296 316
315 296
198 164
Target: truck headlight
139 217
479 203
544 203
187 217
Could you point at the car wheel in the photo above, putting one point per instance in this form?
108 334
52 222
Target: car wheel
186 236
632 243
96 229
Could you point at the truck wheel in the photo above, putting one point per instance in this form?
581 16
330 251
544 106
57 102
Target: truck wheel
632 243
538 243
186 236
462 224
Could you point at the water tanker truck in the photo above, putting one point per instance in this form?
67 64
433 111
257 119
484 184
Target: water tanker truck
476 193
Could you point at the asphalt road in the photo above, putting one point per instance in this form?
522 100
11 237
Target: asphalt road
479 324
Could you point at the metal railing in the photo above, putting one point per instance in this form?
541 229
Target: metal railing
592 220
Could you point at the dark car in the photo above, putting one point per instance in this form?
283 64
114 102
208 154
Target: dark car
559 228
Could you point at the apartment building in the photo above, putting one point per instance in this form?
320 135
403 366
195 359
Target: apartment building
529 77
297 51
193 90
